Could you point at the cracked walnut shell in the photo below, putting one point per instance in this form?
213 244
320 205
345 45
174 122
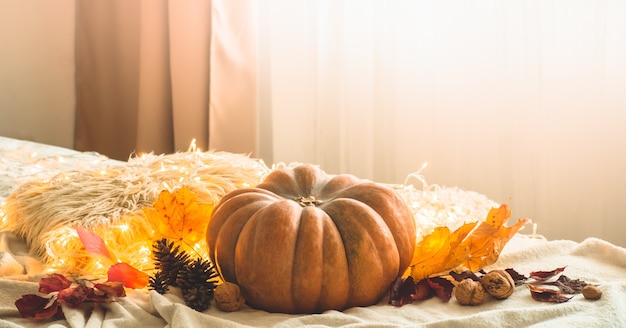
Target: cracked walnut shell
469 292
228 297
498 283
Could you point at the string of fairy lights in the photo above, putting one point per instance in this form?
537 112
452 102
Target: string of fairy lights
128 234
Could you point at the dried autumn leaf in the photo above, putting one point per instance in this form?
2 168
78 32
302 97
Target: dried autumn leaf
545 275
466 274
547 295
181 218
125 273
437 246
567 285
473 245
485 243
518 278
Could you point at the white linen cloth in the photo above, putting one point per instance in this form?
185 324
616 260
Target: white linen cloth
592 260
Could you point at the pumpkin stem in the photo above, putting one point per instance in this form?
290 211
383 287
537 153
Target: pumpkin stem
308 201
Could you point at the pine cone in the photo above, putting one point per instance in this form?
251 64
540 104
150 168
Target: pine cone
170 260
158 283
197 282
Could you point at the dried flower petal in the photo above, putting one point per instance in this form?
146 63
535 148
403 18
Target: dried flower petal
545 275
401 291
547 295
131 277
53 283
94 244
423 291
35 306
111 288
73 297
442 287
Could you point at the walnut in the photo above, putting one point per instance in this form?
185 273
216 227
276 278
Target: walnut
469 292
498 283
228 297
592 292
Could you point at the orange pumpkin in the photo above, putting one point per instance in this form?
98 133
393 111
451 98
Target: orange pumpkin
303 241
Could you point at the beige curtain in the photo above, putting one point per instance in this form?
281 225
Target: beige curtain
152 75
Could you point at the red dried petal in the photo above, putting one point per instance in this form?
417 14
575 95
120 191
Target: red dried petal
54 311
547 295
94 244
53 283
442 287
423 290
545 275
35 306
111 288
73 297
401 291
131 277
95 296
29 305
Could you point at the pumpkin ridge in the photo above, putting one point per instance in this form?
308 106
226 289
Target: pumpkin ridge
308 261
218 239
400 220
372 268
275 262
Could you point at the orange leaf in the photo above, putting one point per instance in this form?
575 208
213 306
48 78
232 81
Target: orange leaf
489 238
125 273
94 244
497 216
180 218
437 246
472 245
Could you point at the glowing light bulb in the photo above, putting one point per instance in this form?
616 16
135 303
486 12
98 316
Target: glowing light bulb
192 145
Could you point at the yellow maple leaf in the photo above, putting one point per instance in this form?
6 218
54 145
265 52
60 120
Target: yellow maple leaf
473 245
437 246
179 217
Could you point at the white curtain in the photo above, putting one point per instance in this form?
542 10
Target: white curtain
523 101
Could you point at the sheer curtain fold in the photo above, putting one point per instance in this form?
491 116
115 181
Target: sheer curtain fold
142 75
520 101
107 60
233 93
